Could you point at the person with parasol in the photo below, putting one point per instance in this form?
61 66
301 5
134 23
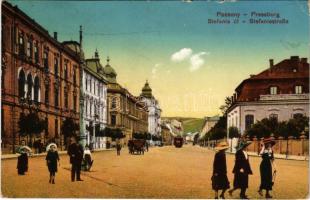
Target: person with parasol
52 158
219 175
266 167
22 160
241 170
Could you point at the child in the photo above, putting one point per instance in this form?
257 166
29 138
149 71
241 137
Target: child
87 158
52 158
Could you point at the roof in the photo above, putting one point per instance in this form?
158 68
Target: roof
37 27
94 67
286 69
146 90
110 72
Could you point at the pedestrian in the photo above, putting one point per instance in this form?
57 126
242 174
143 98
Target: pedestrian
22 163
241 170
75 151
219 175
118 148
87 158
147 145
266 167
52 158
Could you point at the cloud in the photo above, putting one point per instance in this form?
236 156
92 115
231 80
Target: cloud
155 69
181 55
197 61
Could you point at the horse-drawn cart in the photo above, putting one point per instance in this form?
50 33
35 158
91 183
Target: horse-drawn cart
136 146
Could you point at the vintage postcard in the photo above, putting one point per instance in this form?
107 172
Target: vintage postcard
155 99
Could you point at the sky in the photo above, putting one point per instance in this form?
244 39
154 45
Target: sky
190 64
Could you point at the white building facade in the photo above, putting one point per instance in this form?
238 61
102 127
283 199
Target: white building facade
280 92
281 106
95 102
154 111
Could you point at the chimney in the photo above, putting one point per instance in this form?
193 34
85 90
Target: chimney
271 63
295 58
55 35
303 60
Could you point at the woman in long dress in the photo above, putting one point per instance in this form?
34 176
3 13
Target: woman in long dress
52 158
219 175
22 163
266 167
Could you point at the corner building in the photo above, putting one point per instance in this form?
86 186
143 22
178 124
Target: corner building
39 74
125 111
281 92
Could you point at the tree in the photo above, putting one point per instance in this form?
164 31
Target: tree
233 132
30 124
68 128
117 134
224 108
267 126
296 125
218 131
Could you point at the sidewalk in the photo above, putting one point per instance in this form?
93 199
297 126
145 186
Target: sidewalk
14 156
279 156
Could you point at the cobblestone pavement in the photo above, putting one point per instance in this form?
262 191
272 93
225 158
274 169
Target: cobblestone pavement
163 172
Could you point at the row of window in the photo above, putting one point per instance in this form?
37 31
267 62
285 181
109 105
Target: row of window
27 88
94 87
32 51
275 89
93 108
30 88
249 119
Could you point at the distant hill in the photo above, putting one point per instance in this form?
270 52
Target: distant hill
189 124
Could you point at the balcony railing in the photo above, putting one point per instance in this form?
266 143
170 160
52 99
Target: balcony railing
270 97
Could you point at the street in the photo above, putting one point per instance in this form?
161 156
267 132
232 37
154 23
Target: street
163 172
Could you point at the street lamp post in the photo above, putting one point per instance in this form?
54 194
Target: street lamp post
82 65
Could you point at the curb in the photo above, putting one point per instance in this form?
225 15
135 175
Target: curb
14 156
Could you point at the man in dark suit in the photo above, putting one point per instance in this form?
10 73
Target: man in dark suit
75 151
241 170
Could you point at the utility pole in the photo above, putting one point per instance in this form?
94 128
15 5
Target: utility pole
82 65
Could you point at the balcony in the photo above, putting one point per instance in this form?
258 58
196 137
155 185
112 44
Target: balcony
277 97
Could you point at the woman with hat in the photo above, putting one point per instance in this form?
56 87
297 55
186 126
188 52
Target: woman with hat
266 167
51 160
241 170
219 176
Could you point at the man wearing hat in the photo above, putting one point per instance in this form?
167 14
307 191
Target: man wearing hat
219 176
75 151
266 167
241 170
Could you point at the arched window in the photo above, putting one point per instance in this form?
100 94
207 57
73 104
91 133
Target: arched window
29 47
36 52
36 89
21 84
29 86
21 47
249 120
66 70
